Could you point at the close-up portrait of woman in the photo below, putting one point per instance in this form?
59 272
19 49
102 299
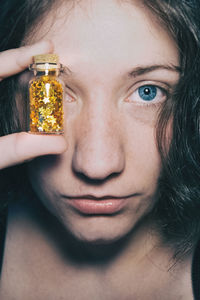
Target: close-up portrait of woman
99 149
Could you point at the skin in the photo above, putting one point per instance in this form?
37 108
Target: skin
112 152
104 116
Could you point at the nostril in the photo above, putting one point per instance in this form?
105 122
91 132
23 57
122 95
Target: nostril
97 167
94 180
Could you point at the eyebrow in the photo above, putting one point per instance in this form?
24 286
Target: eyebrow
140 70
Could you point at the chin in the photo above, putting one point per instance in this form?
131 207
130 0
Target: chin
99 230
97 239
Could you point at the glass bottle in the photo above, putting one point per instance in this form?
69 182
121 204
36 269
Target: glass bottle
46 96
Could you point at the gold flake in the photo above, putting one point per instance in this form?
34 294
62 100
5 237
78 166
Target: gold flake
46 104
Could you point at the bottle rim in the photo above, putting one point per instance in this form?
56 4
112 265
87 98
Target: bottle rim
46 66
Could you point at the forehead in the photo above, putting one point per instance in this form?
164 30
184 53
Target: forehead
108 31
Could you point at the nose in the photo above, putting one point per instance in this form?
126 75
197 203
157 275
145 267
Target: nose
98 152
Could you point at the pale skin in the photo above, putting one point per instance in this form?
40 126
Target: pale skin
110 132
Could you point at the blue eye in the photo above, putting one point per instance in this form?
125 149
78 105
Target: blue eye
147 92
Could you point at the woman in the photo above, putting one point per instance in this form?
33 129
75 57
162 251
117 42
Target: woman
110 210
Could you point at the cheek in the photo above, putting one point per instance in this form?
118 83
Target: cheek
143 115
46 181
142 152
46 172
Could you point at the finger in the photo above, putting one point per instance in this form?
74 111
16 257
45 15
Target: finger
16 60
19 147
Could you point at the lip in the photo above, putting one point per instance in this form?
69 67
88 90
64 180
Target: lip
90 205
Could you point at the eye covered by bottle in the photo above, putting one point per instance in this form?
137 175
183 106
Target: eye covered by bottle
46 95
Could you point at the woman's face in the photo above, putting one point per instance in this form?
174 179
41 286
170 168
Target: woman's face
122 69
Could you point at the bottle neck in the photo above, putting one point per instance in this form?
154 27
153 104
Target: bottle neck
46 72
46 69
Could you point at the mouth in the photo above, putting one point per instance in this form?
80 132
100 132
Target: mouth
91 205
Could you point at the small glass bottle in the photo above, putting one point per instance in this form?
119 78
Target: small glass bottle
46 95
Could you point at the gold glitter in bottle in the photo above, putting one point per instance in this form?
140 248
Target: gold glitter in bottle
46 96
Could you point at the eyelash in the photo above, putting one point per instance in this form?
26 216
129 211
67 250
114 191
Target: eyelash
158 91
68 97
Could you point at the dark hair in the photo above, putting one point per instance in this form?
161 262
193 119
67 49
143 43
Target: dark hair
178 207
177 211
17 17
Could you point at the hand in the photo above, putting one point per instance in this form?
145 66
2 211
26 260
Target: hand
19 147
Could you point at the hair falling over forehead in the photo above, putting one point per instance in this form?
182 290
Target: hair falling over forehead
178 205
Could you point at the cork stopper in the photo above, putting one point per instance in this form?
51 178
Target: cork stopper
46 58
